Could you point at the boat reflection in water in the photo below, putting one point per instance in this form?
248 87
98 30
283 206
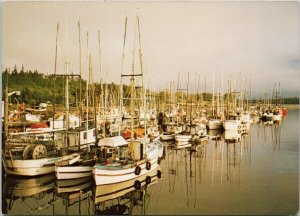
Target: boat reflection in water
128 197
22 195
270 133
76 195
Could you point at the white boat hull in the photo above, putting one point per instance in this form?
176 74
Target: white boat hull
105 177
72 172
29 167
183 138
115 173
167 137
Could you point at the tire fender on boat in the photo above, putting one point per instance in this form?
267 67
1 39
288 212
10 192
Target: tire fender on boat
148 165
39 151
27 153
148 180
137 184
137 170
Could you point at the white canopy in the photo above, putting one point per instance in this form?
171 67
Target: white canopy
112 141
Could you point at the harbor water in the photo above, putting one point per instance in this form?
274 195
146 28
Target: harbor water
258 175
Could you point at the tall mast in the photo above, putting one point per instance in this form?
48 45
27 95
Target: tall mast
142 72
100 74
250 95
187 94
55 63
87 82
222 95
67 100
105 107
122 72
80 70
80 78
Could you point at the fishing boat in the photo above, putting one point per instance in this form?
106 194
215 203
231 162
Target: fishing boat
79 140
139 157
119 169
28 156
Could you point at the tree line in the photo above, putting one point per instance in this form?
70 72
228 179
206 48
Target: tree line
39 88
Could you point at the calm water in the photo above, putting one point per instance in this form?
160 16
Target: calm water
259 175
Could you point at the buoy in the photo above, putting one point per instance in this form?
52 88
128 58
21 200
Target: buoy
27 153
137 170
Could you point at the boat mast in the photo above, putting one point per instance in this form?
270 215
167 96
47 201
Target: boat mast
87 82
67 105
187 95
121 82
132 92
80 90
55 64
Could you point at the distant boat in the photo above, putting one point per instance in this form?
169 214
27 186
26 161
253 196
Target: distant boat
183 137
166 136
137 158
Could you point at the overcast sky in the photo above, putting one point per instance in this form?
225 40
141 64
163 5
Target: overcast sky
257 39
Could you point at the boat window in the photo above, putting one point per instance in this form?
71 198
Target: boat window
85 135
